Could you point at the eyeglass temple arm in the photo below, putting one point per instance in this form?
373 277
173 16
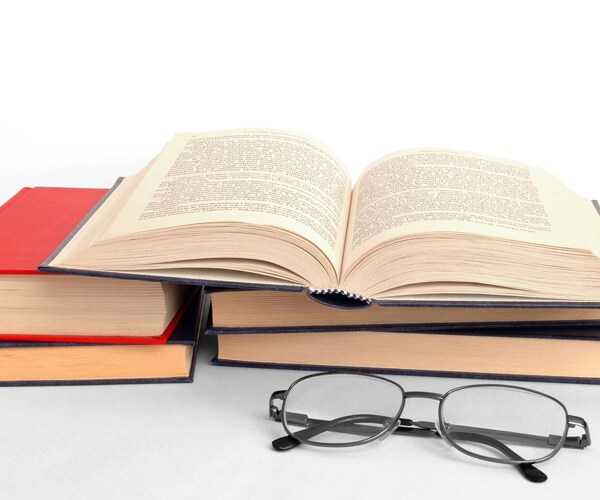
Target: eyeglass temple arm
551 440
353 424
529 471
350 424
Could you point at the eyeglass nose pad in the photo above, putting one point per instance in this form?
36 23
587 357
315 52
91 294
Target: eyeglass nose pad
391 429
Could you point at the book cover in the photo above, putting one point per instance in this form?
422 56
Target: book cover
36 220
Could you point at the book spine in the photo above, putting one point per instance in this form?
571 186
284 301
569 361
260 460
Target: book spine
336 297
16 197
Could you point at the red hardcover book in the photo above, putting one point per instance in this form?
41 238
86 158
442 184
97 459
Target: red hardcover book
36 220
32 224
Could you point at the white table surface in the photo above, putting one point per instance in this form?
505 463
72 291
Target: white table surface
90 91
211 439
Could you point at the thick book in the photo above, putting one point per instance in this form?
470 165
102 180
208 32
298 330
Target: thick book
541 354
267 310
37 306
72 363
275 210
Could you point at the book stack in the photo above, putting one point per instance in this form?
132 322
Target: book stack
288 329
435 262
77 329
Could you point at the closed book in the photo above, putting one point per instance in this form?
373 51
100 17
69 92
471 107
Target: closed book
562 354
38 306
76 363
268 310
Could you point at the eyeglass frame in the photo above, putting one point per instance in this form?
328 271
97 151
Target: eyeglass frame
396 424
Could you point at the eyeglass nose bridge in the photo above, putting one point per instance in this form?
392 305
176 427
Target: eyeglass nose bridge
424 395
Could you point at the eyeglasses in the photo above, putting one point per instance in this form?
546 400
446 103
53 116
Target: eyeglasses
497 423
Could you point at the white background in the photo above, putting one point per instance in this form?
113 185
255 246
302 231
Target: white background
90 91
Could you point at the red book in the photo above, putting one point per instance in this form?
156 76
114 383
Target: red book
36 220
32 224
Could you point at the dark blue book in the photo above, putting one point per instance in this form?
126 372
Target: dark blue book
541 353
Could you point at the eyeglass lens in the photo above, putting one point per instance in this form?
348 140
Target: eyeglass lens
341 409
531 424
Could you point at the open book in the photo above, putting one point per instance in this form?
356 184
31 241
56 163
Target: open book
269 209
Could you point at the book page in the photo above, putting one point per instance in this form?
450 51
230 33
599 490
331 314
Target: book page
420 191
259 177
